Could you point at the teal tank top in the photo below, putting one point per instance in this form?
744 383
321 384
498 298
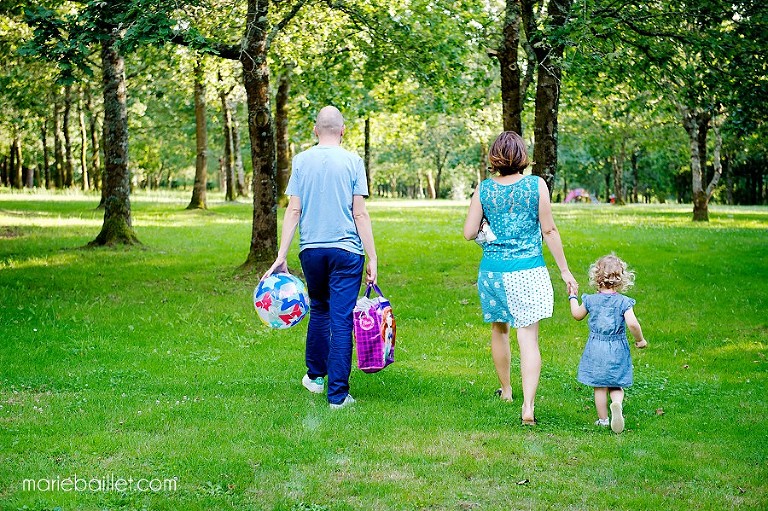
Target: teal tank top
513 214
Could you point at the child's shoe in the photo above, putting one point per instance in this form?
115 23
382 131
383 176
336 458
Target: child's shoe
603 423
617 418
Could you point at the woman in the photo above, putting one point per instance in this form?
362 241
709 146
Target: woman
513 282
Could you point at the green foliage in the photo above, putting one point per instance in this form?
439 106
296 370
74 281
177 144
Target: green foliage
410 66
69 38
599 127
707 56
153 364
162 118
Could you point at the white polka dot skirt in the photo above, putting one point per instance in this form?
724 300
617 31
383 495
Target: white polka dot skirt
520 298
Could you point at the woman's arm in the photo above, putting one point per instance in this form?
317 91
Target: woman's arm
552 237
474 216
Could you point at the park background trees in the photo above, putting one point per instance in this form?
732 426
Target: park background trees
639 102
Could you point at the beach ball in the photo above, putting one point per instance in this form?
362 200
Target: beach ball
281 300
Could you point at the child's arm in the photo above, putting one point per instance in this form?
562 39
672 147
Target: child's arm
578 312
634 327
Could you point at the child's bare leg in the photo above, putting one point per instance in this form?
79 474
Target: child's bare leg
501 354
530 366
617 413
617 394
601 402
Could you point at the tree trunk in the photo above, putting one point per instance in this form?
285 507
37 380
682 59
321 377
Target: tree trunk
282 139
263 248
18 172
431 185
95 172
549 73
69 167
635 176
117 228
440 160
617 162
4 170
201 139
33 176
228 163
511 98
696 124
86 185
367 155
718 164
46 156
728 170
565 185
58 144
545 125
239 172
7 178
103 200
17 163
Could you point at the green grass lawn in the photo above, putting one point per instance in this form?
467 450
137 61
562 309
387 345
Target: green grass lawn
150 364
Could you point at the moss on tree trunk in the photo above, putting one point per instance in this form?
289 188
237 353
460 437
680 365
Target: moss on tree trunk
115 231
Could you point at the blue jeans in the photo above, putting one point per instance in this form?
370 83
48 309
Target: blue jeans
333 281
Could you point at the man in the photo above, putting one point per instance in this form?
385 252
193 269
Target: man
327 191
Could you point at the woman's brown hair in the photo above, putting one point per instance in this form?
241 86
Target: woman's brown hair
508 154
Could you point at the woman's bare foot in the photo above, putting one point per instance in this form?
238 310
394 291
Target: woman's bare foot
527 417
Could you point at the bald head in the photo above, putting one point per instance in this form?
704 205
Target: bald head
329 123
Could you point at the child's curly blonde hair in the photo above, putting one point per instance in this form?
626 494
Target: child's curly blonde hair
610 272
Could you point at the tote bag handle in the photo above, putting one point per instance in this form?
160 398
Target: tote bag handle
373 286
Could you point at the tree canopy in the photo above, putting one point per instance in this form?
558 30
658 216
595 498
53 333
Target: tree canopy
657 101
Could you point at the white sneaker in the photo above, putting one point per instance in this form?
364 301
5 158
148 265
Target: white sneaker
603 423
316 386
617 419
349 400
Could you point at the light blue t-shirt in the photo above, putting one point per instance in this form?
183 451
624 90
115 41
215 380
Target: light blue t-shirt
325 179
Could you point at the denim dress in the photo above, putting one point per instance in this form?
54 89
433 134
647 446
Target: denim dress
606 361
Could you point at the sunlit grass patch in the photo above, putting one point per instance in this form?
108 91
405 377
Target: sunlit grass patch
152 363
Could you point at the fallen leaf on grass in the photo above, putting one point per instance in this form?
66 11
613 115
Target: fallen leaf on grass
659 411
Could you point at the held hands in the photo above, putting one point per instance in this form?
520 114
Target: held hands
570 283
641 344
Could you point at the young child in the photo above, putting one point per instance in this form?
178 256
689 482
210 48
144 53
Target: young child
606 363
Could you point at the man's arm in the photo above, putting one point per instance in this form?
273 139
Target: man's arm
365 231
290 223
